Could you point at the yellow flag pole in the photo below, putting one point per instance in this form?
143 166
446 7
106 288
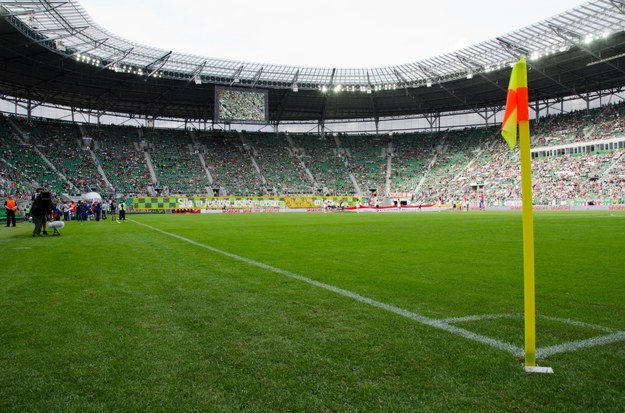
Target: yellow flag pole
528 244
517 115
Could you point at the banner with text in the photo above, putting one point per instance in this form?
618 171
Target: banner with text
165 203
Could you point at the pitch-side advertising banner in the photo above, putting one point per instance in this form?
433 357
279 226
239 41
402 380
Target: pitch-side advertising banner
234 202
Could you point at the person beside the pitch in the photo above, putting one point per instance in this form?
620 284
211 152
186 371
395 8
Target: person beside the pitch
10 207
40 211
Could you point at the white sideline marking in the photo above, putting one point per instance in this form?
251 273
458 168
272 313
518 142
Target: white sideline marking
443 324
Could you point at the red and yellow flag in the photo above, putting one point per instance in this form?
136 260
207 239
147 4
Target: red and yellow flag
517 104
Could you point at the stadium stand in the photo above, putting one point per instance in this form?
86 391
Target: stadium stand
119 151
278 164
176 162
326 162
366 158
579 155
229 164
61 145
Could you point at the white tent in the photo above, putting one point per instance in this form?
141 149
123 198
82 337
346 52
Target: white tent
91 196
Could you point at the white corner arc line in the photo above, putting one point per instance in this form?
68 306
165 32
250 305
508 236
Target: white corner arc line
439 324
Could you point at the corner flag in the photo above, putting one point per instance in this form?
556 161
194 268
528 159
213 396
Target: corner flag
517 103
517 114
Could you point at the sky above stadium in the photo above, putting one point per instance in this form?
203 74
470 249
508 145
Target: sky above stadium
321 33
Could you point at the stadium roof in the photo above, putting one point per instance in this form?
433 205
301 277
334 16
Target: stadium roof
52 52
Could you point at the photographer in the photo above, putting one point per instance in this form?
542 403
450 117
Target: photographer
40 211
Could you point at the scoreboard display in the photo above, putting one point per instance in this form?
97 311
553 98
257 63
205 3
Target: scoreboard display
240 105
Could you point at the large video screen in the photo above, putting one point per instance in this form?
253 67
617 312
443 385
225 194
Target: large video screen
240 105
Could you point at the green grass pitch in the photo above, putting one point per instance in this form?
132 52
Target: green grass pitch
296 313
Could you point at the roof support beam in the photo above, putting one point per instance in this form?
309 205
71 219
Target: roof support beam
475 68
374 108
196 75
619 4
332 78
431 75
257 77
94 45
322 121
281 105
156 65
576 40
511 48
33 11
114 59
294 85
236 76
514 50
401 79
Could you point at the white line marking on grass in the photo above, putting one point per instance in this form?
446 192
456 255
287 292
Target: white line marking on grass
581 344
579 324
539 316
614 337
442 325
481 317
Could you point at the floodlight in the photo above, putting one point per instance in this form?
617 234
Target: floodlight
428 83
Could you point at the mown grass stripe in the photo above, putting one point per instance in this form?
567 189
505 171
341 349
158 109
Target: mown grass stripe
439 324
